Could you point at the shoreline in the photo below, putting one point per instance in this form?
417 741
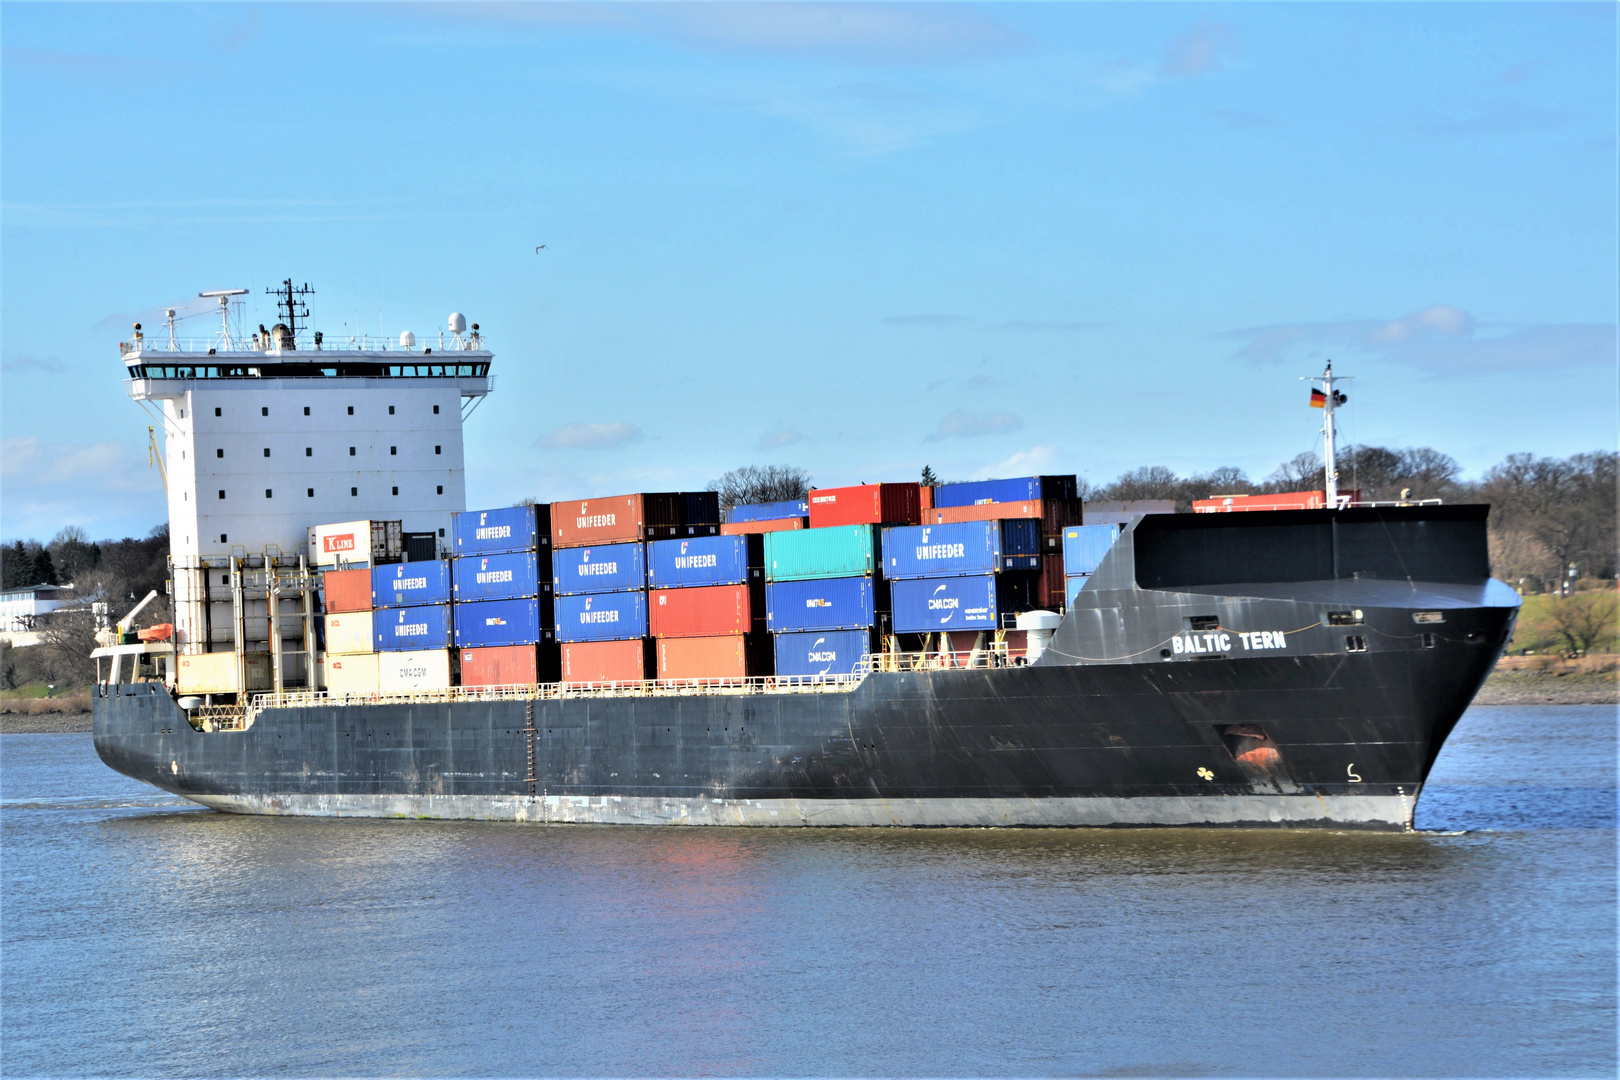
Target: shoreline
1504 687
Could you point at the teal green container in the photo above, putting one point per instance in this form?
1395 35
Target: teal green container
806 554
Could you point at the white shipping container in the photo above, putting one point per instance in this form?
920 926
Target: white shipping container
426 669
356 543
349 632
355 673
215 673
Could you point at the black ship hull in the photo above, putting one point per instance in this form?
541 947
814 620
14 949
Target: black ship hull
1313 702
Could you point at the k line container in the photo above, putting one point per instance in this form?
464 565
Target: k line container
977 602
350 632
599 569
504 576
710 611
1018 489
409 629
724 657
421 669
346 590
867 504
1085 545
821 604
602 616
771 511
841 551
356 543
833 652
704 560
411 584
607 661
522 621
510 528
743 528
353 673
511 665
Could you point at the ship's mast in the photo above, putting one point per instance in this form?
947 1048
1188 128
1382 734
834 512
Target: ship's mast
1332 400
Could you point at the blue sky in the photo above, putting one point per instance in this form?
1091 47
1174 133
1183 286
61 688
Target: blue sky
999 239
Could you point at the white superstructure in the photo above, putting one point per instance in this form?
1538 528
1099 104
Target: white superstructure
270 433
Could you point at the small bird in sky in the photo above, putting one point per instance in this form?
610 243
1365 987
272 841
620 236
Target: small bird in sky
539 249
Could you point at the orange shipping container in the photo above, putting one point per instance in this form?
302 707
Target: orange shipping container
605 661
703 657
946 515
611 520
708 611
741 528
925 498
347 590
510 665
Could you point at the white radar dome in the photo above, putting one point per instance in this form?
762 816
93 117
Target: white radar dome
458 322
407 339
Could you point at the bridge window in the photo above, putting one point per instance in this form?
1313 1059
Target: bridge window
309 451
222 493
351 451
220 452
267 451
390 410
222 540
311 493
264 411
306 410
216 412
393 451
351 410
435 410
441 489
435 449
354 491
396 491
267 493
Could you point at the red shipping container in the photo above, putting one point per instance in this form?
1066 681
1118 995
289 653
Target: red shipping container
347 590
1288 500
868 504
509 665
925 498
604 661
703 657
1050 588
742 528
946 515
708 611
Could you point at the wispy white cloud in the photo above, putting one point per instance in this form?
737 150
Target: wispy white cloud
927 320
589 436
773 440
1037 326
24 362
49 484
1032 462
1199 51
962 424
1491 119
1240 120
1439 339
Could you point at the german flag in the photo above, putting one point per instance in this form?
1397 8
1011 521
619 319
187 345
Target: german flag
1318 399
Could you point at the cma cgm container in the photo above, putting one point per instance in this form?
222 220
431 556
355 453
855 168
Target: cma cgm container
607 568
771 511
626 518
500 577
841 551
608 661
510 528
602 616
511 665
926 605
711 611
833 652
356 543
868 504
421 669
411 584
743 528
1085 545
1015 490
704 560
521 621
821 604
346 590
349 632
407 628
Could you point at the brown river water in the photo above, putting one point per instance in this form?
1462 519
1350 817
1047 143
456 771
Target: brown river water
140 935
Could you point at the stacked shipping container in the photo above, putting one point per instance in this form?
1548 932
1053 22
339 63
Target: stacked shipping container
504 614
1083 549
706 607
351 651
825 595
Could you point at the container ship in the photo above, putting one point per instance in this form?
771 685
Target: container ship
348 639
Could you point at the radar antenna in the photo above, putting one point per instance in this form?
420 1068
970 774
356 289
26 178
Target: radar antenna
224 296
290 306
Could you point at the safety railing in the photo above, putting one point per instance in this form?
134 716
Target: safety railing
161 343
